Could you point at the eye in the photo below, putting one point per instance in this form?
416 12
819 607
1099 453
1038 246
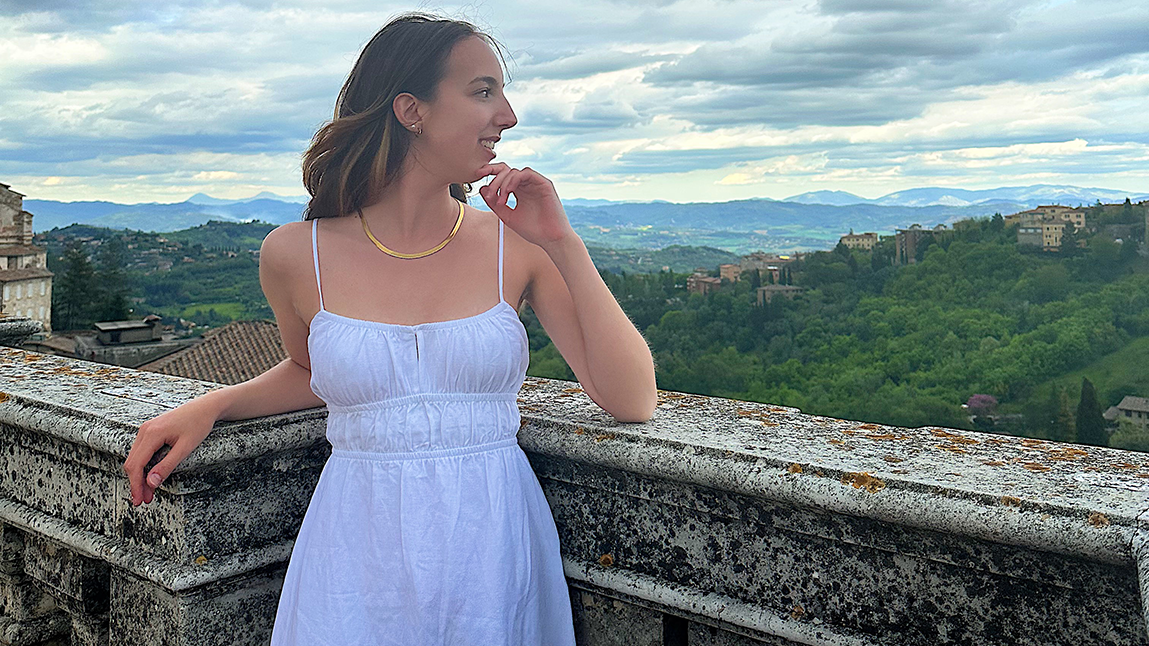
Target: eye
488 92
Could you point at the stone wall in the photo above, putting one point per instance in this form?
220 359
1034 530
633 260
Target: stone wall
719 522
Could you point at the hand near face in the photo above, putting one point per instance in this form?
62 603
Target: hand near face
538 215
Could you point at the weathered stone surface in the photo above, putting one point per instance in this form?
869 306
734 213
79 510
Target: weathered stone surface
237 611
78 582
603 621
718 522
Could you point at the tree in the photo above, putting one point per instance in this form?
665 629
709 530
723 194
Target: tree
1130 436
1090 423
73 296
111 278
755 279
997 223
1063 429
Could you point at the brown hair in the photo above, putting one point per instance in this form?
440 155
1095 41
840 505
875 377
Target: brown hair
363 147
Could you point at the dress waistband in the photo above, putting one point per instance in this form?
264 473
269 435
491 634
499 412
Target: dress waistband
379 456
425 397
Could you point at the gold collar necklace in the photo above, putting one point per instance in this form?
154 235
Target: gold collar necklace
458 222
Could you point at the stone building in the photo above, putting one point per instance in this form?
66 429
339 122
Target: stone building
27 283
767 292
700 283
907 242
1051 214
1135 409
730 272
863 241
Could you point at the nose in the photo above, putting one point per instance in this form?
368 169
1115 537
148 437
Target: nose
506 116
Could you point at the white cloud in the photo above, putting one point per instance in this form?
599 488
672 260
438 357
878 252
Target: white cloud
709 100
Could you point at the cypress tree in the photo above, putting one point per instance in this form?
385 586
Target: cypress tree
73 296
112 280
1090 422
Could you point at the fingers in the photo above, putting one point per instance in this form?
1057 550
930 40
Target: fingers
143 486
142 451
492 169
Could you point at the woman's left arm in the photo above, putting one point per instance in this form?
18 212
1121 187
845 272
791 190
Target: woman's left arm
588 327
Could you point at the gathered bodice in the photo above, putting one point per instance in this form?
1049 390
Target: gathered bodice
443 385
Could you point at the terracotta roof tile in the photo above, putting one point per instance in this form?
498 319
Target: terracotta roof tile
230 354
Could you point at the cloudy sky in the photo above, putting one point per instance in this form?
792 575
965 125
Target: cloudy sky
694 100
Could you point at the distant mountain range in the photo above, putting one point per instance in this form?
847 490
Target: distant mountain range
1029 196
806 221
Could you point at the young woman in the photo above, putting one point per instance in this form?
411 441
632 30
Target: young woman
398 305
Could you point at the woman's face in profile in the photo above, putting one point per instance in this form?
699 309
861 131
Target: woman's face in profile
468 111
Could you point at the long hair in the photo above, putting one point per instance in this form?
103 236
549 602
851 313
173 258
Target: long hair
362 149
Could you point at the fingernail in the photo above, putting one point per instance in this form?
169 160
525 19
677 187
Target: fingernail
154 480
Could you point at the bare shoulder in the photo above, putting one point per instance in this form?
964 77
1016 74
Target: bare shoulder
282 243
284 255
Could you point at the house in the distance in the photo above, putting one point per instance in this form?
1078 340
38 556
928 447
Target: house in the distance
768 292
1134 409
908 241
27 283
700 283
1053 213
863 241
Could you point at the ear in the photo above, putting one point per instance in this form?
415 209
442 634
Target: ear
407 109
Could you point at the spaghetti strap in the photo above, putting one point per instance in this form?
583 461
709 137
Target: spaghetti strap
500 260
315 257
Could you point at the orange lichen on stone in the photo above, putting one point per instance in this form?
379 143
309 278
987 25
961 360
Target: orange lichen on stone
951 449
572 390
1125 465
891 458
32 357
836 441
796 612
606 560
200 560
580 430
953 437
863 481
604 436
1098 519
886 436
3 397
1010 501
869 427
1032 442
1068 453
1034 466
994 463
795 468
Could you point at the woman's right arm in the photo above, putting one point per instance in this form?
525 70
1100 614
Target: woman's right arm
283 388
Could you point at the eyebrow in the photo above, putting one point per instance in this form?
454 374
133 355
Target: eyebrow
486 79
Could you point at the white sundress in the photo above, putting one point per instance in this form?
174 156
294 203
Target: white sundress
428 526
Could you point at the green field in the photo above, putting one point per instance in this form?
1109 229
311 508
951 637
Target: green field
1114 375
233 311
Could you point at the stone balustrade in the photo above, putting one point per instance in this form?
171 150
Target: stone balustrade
717 523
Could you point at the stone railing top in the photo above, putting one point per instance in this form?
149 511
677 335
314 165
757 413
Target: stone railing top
1066 498
102 406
